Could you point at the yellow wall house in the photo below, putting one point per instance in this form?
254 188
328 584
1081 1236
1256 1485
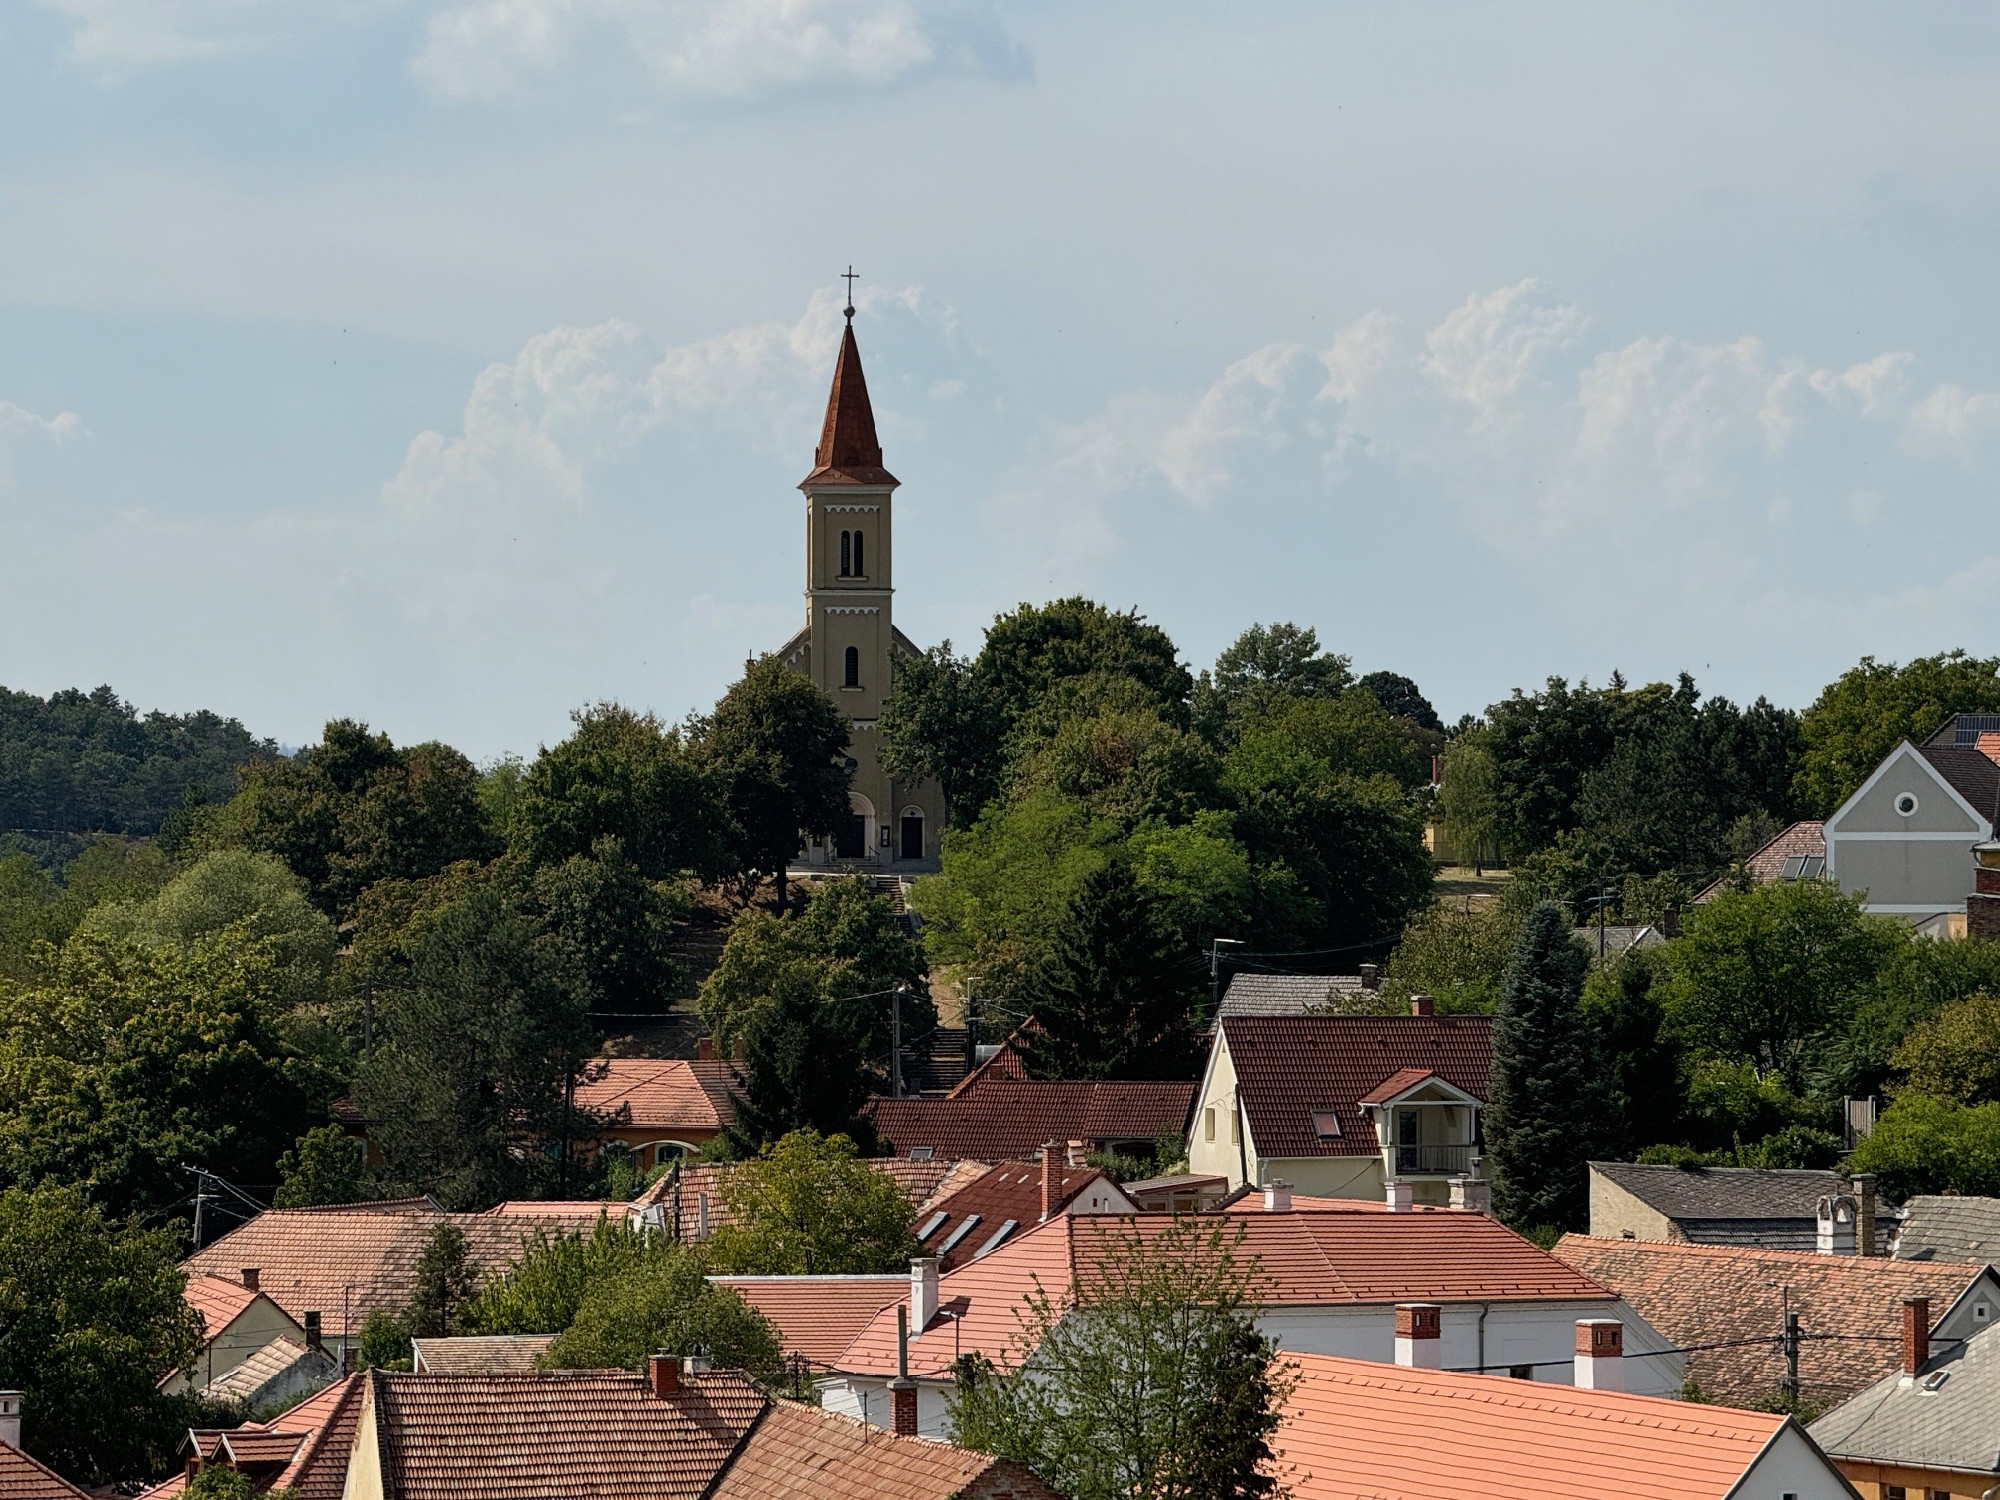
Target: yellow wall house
237 1320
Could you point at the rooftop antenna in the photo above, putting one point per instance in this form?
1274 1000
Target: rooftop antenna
849 277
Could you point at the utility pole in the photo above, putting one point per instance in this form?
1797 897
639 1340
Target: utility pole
1791 1386
200 1201
896 1042
1216 945
971 1028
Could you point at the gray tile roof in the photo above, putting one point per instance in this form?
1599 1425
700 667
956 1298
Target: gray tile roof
1767 1234
1950 1229
1942 1419
1971 774
1293 994
1717 1193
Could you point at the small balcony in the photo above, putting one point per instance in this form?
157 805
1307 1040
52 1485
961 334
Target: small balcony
1434 1161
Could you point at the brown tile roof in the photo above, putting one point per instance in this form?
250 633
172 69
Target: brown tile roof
26 1478
817 1317
1010 1193
1396 1083
921 1181
1362 1256
658 1094
1768 863
344 1261
319 1432
1288 1067
1712 1294
499 1354
848 452
1973 775
1356 1427
800 1450
219 1299
558 1435
1000 1120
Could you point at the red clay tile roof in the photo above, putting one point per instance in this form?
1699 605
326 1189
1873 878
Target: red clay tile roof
25 1478
1289 1066
1358 1428
1356 1257
219 1299
1708 1294
657 1094
1396 1083
348 1260
799 1450
1768 863
817 1317
320 1430
1002 1120
558 1435
1012 1192
921 1181
1006 1065
848 452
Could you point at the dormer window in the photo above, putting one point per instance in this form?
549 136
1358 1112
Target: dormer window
846 554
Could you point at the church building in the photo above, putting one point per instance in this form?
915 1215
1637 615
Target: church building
850 645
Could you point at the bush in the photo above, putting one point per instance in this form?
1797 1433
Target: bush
669 1306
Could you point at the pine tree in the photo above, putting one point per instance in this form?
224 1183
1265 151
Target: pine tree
1551 1099
1112 998
800 1071
446 1279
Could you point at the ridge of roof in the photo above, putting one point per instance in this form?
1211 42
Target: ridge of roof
25 1477
1724 1192
849 451
1970 772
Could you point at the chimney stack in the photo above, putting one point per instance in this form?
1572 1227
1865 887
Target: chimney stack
1600 1354
1982 905
10 1419
249 1275
314 1339
697 1363
704 1049
1076 1153
903 1390
1916 1334
1864 1223
923 1291
1048 1180
665 1372
1836 1224
1419 1336
1398 1196
1474 1194
1277 1197
1437 770
1371 977
1422 1005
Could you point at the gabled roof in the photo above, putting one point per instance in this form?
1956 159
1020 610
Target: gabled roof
282 1359
1365 1256
1293 994
658 1093
999 1119
316 1434
1289 1067
848 452
26 1478
1944 1419
969 1220
220 1300
493 1354
1970 773
817 1317
1715 1193
1355 1427
921 1181
1939 1228
800 1450
1401 1082
1715 1294
1803 841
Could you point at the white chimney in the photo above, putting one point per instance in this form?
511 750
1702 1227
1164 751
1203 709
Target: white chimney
10 1419
1837 1213
1419 1336
1277 1197
1399 1196
1600 1354
1473 1193
923 1292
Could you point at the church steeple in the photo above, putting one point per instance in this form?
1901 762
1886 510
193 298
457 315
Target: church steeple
848 452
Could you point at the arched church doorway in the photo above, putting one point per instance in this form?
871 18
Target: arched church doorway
852 837
911 843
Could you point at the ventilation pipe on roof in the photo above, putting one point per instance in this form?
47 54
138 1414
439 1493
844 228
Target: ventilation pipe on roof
1076 1153
314 1339
664 1370
1398 1196
1419 1335
697 1363
923 1290
1916 1336
1600 1354
1422 1005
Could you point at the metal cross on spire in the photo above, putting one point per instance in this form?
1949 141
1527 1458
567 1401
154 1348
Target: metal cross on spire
849 278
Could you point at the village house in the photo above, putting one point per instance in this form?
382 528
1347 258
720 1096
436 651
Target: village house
1947 1228
1925 1430
237 1320
981 1216
659 1108
1771 1209
1330 1282
1346 1106
1734 1300
1799 853
1301 994
303 1450
23 1476
491 1354
1359 1428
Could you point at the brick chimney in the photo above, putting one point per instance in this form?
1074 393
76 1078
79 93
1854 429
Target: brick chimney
1982 907
1437 770
1864 1219
1048 1180
1422 1005
1371 977
923 1290
249 1275
1419 1335
1399 1196
903 1390
1277 1197
1600 1354
697 1364
1916 1334
10 1419
664 1370
704 1049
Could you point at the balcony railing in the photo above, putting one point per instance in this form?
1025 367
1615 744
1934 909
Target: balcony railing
1438 1161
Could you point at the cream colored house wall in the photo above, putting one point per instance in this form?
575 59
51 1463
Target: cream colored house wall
1219 1142
227 1347
364 1464
1327 1176
1613 1211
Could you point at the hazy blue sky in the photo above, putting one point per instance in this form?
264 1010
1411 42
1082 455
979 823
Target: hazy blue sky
450 363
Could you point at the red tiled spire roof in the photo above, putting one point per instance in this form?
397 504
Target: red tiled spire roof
848 452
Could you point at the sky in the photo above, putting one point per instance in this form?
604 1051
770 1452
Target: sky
451 364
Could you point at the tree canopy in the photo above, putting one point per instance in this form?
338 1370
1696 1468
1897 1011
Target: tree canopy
807 1205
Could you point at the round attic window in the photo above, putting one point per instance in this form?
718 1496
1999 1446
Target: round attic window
1906 803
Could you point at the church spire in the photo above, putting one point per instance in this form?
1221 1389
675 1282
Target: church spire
848 452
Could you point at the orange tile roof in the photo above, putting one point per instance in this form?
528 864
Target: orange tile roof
1310 1258
315 1436
800 1450
26 1478
1009 1192
1359 1428
219 1299
657 1094
817 1317
558 1434
1709 1294
345 1261
1397 1082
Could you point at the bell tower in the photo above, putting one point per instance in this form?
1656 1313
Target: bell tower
850 644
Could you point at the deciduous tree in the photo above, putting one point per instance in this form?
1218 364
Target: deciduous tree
807 1205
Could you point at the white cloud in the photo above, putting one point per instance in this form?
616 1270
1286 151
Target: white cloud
120 36
21 429
1951 422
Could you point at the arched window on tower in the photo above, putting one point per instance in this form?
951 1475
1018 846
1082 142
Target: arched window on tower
853 667
860 569
846 557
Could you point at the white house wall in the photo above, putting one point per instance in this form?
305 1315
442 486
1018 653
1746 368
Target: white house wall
1792 1465
1221 1156
1916 865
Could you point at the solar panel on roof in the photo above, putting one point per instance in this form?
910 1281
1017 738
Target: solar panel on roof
957 1234
993 1240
